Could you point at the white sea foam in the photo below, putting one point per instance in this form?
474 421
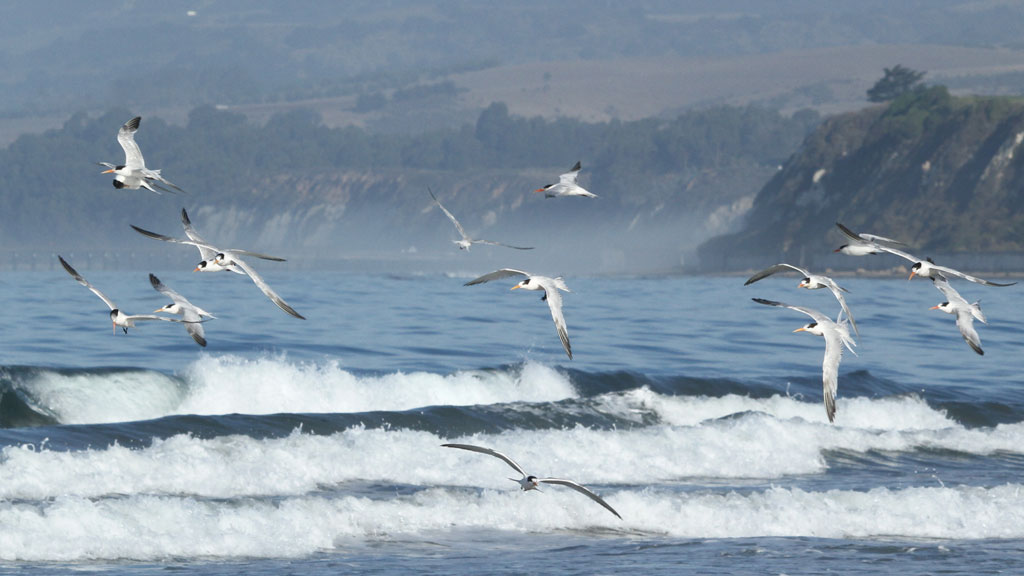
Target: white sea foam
149 527
229 384
751 446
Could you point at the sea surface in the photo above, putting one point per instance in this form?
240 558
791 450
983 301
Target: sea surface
314 447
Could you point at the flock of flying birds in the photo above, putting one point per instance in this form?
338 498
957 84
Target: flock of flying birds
836 333
134 174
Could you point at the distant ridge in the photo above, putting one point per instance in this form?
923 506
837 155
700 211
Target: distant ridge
943 174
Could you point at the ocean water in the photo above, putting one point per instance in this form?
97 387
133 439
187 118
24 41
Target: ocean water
314 447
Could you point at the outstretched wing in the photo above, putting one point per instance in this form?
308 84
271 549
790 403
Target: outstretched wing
266 289
494 453
974 279
582 490
493 243
817 316
570 176
496 275
451 217
782 267
126 138
74 274
554 299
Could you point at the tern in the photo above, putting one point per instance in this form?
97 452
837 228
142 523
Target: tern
864 244
219 260
119 318
836 336
550 286
466 241
528 482
965 313
925 267
133 174
192 314
566 186
811 282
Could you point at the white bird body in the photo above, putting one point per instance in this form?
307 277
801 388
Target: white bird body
566 186
964 312
117 317
529 482
810 282
219 260
190 313
921 267
133 174
550 286
836 336
466 242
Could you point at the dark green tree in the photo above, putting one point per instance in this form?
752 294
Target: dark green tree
897 81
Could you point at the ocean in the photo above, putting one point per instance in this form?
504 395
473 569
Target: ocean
314 447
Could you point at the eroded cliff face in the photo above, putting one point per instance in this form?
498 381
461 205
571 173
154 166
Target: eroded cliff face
943 174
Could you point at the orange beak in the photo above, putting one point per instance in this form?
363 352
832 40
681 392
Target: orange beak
197 269
539 190
514 287
912 272
934 308
107 171
801 329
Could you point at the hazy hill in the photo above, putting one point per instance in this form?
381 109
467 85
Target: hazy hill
944 174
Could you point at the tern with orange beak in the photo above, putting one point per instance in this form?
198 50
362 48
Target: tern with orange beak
529 482
466 242
836 336
921 267
219 260
964 311
117 317
550 286
811 282
133 174
566 186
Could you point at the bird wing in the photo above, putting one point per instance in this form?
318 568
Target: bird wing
207 251
266 289
133 317
496 275
84 282
126 138
451 216
494 453
582 490
782 267
194 327
965 322
554 299
177 298
817 316
830 371
874 241
493 243
836 290
204 253
570 176
975 279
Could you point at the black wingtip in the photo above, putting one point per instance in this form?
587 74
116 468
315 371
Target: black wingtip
575 167
133 124
184 218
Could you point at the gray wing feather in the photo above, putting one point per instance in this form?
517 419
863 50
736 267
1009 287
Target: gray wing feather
782 267
496 275
554 299
266 289
493 243
126 138
450 216
74 274
490 452
974 279
582 490
817 316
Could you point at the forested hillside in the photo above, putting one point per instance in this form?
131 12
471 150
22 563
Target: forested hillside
943 174
340 192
